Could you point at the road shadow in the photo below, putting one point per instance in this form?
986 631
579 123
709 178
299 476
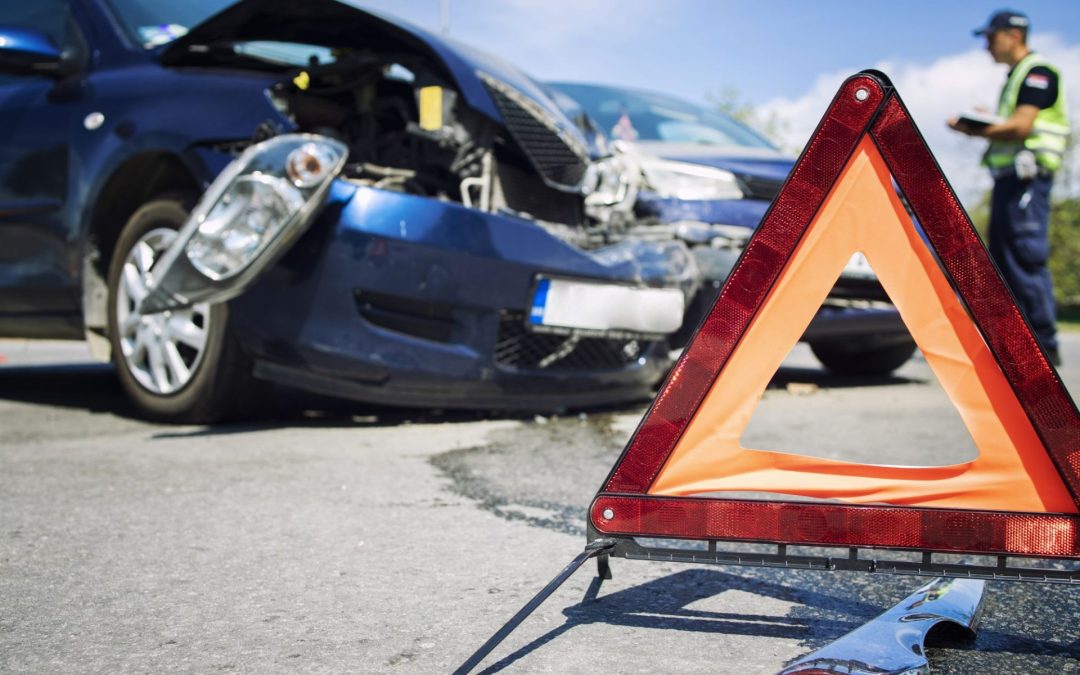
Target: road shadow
291 408
94 387
86 386
823 379
820 616
665 604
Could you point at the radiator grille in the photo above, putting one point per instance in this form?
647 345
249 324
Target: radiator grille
559 159
517 347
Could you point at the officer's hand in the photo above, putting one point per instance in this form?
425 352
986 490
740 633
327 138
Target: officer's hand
963 127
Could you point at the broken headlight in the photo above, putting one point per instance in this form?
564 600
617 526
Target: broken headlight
272 185
250 215
241 224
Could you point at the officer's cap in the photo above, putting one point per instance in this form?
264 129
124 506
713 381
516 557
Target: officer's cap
1006 18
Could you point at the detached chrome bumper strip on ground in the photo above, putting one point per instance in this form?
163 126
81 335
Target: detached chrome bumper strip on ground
894 641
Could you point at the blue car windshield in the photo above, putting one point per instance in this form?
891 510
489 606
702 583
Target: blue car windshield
632 115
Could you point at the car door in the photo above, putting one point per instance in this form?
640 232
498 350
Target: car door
38 255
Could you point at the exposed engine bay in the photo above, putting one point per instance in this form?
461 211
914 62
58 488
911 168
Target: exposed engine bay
408 130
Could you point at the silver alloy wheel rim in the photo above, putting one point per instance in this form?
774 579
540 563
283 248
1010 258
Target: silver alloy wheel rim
162 351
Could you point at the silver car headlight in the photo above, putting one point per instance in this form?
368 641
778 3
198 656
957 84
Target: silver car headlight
241 224
273 184
682 180
248 217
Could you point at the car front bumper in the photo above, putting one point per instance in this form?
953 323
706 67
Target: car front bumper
398 299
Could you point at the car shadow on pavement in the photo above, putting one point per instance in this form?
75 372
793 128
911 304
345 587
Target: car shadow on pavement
823 379
94 387
331 416
89 386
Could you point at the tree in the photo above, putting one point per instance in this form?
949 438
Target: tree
729 101
1065 251
1064 244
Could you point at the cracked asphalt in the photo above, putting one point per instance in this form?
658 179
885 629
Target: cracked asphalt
330 537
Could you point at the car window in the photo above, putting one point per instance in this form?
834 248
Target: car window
626 114
680 131
152 23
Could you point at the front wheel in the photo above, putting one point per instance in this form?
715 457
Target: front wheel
177 366
845 358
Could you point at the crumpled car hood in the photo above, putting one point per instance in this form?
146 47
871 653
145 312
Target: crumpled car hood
338 23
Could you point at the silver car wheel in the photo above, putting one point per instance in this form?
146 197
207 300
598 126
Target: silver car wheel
162 351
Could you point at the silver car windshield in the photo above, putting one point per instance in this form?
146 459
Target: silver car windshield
633 115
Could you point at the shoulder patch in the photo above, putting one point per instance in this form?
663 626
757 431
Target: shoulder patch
1037 80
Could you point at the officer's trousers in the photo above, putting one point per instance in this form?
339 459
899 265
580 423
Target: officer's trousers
1019 244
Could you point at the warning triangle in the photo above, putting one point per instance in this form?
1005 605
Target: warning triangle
1020 496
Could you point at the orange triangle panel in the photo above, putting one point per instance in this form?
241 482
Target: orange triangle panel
1018 497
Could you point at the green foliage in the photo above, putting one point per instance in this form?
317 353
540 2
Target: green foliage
980 215
1065 251
1064 245
728 100
1068 318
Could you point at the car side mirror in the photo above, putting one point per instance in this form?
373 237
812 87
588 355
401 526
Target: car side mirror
29 52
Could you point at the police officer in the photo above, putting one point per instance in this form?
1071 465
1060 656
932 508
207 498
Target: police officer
1026 147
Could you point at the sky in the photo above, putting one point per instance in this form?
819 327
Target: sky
787 58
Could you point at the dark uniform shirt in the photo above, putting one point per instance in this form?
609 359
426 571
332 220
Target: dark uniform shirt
1040 88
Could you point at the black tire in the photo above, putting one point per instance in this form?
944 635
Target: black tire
217 370
847 358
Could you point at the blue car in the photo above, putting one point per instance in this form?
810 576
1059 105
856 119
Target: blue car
710 179
215 194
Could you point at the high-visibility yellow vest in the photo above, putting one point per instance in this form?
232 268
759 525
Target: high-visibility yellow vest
1050 134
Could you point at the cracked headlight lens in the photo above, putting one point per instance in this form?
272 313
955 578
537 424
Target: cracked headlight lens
242 223
259 205
272 187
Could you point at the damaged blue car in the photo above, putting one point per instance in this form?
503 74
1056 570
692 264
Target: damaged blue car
216 193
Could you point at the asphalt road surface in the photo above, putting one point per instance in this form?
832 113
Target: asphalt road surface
330 537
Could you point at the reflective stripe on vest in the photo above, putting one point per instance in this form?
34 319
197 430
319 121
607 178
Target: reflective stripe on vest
1050 132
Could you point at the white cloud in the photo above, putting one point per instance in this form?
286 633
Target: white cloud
557 39
934 92
568 23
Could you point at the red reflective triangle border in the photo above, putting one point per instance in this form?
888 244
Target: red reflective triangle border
881 114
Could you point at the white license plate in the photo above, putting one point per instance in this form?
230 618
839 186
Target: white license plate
595 306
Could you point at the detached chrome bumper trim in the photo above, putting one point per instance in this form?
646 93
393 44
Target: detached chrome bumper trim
894 641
